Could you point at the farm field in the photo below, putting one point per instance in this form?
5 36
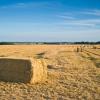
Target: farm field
71 75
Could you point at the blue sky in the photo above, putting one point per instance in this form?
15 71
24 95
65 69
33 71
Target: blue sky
49 20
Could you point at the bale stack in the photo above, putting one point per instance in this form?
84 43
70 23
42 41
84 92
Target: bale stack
25 70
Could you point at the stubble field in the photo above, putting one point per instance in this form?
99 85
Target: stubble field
71 75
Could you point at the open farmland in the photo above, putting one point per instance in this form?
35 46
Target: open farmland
71 75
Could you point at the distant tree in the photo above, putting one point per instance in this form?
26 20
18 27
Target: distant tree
6 43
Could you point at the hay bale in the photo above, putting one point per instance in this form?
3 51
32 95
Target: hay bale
24 70
94 47
78 49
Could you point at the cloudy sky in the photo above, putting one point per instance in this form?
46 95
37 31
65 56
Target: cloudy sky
50 20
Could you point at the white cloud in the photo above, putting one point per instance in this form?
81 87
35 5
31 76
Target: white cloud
82 22
66 17
91 12
24 5
79 18
77 23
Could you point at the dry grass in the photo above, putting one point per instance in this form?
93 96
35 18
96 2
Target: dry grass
71 75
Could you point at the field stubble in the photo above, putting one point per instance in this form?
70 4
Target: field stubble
71 75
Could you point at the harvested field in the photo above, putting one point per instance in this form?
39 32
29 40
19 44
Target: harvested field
71 75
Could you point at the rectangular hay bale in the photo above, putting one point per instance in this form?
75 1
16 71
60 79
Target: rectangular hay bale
24 70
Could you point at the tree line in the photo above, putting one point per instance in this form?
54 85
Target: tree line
51 43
